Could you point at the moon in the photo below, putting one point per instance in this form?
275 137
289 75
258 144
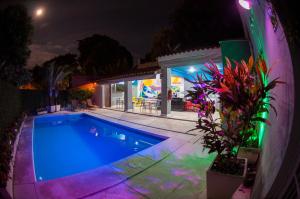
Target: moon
39 12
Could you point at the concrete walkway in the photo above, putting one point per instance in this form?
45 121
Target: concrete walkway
175 168
181 174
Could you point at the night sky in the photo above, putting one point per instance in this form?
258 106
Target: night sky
131 22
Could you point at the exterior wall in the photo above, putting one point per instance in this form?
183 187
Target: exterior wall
97 95
107 91
272 45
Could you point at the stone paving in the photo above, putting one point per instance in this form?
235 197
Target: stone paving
174 168
181 115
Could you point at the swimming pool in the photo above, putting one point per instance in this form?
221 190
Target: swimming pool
68 144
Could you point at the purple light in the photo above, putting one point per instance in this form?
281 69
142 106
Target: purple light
245 4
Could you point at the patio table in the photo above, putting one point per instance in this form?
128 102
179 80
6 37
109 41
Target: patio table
151 103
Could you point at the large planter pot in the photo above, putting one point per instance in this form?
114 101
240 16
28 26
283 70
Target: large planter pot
52 109
251 154
223 186
57 107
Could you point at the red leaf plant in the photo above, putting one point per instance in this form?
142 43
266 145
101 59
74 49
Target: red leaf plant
244 94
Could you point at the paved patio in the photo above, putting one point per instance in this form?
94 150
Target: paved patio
174 168
182 115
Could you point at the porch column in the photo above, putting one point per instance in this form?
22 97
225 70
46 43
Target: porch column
127 95
101 96
165 86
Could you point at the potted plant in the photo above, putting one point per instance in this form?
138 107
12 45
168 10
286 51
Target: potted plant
244 95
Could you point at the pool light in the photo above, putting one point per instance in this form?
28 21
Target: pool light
246 4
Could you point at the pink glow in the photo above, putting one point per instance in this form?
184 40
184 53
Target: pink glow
245 4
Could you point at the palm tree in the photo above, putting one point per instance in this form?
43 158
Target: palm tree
59 69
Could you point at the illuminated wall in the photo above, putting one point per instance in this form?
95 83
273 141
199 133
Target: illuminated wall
151 88
88 86
269 41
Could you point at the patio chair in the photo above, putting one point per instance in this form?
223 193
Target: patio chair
156 105
143 105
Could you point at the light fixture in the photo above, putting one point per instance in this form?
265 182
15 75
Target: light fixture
191 69
246 4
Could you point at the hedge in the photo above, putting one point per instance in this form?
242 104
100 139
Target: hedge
10 109
32 100
10 104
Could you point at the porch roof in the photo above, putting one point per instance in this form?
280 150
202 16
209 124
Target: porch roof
135 74
192 57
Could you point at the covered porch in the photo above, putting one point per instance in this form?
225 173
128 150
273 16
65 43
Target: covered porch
158 88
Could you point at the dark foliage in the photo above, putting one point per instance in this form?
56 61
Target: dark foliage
101 55
10 106
80 94
10 109
39 77
32 100
198 24
15 36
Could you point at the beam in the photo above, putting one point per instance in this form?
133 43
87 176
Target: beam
165 87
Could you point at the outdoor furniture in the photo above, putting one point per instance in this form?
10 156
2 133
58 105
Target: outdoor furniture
120 103
150 104
143 105
138 102
155 104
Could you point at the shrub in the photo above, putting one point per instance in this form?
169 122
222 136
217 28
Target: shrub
10 111
10 104
7 139
244 93
80 94
32 100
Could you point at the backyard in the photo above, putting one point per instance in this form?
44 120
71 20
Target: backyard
114 100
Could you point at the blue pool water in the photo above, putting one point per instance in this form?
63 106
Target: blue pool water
67 144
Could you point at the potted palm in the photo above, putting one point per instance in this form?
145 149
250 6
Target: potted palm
244 95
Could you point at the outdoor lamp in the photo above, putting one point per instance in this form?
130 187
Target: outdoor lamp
246 4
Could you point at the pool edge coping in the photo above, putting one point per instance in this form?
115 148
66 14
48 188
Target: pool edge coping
68 181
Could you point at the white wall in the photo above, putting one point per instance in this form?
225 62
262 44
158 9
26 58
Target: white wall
274 47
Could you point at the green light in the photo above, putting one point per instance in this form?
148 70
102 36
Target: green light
262 129
262 125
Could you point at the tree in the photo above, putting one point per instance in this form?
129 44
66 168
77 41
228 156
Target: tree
101 55
163 43
39 75
198 24
15 37
57 73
